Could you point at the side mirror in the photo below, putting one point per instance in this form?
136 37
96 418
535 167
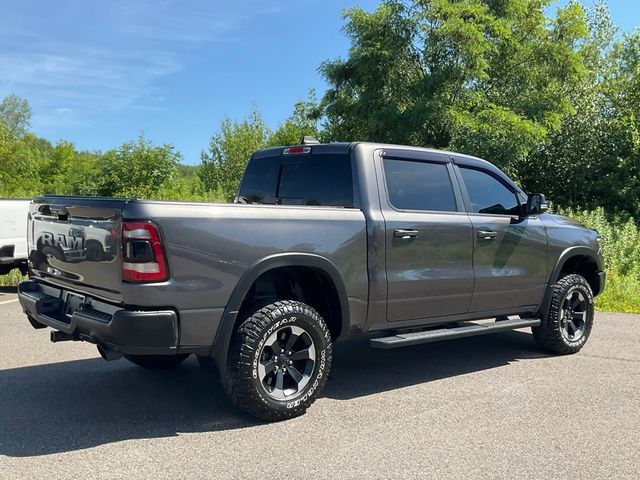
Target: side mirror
536 204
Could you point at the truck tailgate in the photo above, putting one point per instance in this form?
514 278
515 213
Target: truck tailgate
74 242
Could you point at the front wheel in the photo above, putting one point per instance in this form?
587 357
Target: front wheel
279 361
566 327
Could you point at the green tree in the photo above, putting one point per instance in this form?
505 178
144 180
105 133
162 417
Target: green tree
303 121
229 150
15 114
85 175
56 168
137 169
185 186
481 76
622 134
564 166
18 165
593 159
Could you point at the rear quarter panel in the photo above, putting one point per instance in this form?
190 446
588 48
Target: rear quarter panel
211 246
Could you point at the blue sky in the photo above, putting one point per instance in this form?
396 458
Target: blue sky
98 73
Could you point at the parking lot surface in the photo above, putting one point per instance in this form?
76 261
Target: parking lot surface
483 407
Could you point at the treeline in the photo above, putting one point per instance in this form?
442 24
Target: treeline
553 100
32 165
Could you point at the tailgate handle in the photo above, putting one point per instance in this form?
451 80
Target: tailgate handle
487 234
405 234
59 211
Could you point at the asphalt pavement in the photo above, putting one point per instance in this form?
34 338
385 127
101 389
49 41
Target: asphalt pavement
482 407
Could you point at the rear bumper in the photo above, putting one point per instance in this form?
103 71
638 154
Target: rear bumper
125 330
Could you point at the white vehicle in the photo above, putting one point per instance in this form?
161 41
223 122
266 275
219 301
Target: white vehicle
13 235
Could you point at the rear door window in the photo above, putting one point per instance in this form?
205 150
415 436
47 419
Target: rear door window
415 185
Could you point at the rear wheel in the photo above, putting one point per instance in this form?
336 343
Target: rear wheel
567 326
157 362
279 361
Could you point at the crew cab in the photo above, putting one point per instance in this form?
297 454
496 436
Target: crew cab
401 244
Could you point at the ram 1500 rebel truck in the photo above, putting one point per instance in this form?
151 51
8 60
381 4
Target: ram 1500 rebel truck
402 244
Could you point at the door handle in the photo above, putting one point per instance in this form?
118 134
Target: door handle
402 233
487 234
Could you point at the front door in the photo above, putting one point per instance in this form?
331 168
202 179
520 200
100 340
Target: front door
510 252
429 239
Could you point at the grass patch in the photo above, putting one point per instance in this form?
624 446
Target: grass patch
12 278
621 294
621 244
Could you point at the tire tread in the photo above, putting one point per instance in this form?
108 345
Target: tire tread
548 335
237 380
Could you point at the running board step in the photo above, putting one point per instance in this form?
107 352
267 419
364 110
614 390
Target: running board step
470 330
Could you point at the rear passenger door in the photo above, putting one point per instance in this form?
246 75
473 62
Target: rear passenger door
428 236
510 251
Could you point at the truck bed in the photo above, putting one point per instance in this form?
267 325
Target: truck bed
208 249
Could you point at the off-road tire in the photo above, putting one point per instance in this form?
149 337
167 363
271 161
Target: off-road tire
549 335
157 362
242 382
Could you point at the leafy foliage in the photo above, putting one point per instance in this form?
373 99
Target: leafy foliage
621 240
599 139
483 77
303 121
137 169
18 175
229 149
186 185
621 245
15 114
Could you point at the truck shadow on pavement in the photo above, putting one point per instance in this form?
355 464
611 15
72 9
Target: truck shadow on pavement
69 406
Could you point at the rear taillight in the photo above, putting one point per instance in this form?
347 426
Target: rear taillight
143 258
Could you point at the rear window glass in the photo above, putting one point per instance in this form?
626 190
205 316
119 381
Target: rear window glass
324 180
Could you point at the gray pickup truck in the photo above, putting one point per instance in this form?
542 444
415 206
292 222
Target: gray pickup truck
402 244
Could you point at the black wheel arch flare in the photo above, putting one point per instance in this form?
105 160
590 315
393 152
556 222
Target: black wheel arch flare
220 347
560 262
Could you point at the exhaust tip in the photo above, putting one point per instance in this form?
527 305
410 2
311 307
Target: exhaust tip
108 354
